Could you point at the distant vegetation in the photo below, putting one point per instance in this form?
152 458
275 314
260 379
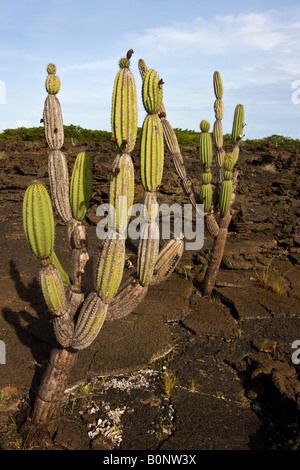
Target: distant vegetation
184 136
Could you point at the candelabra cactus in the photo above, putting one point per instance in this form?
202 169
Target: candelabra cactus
81 303
221 199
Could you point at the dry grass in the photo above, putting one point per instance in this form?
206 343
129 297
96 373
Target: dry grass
270 278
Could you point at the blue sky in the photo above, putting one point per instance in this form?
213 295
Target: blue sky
254 45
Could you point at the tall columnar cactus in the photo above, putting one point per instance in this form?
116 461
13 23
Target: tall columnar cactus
172 144
221 199
225 185
153 265
79 303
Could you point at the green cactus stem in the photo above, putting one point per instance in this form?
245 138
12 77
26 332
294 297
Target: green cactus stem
110 266
38 221
81 186
52 84
53 289
152 92
226 188
218 134
218 85
121 191
152 152
238 124
124 114
147 251
219 109
206 191
66 279
205 144
90 321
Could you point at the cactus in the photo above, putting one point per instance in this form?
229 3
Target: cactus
224 193
152 161
222 198
79 305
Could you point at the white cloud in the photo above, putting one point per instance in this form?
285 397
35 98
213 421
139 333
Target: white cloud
3 126
21 123
95 65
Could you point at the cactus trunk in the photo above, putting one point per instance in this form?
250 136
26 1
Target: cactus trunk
216 256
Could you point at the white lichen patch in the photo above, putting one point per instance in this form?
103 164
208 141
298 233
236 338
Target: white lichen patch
142 379
109 427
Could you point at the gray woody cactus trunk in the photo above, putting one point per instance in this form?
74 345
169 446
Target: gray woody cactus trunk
221 200
81 303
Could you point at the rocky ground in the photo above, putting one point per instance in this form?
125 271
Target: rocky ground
181 371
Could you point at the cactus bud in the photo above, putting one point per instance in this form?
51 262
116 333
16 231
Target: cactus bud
204 126
51 69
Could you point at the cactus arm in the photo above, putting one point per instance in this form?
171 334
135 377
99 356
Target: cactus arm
129 296
81 186
66 279
59 184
